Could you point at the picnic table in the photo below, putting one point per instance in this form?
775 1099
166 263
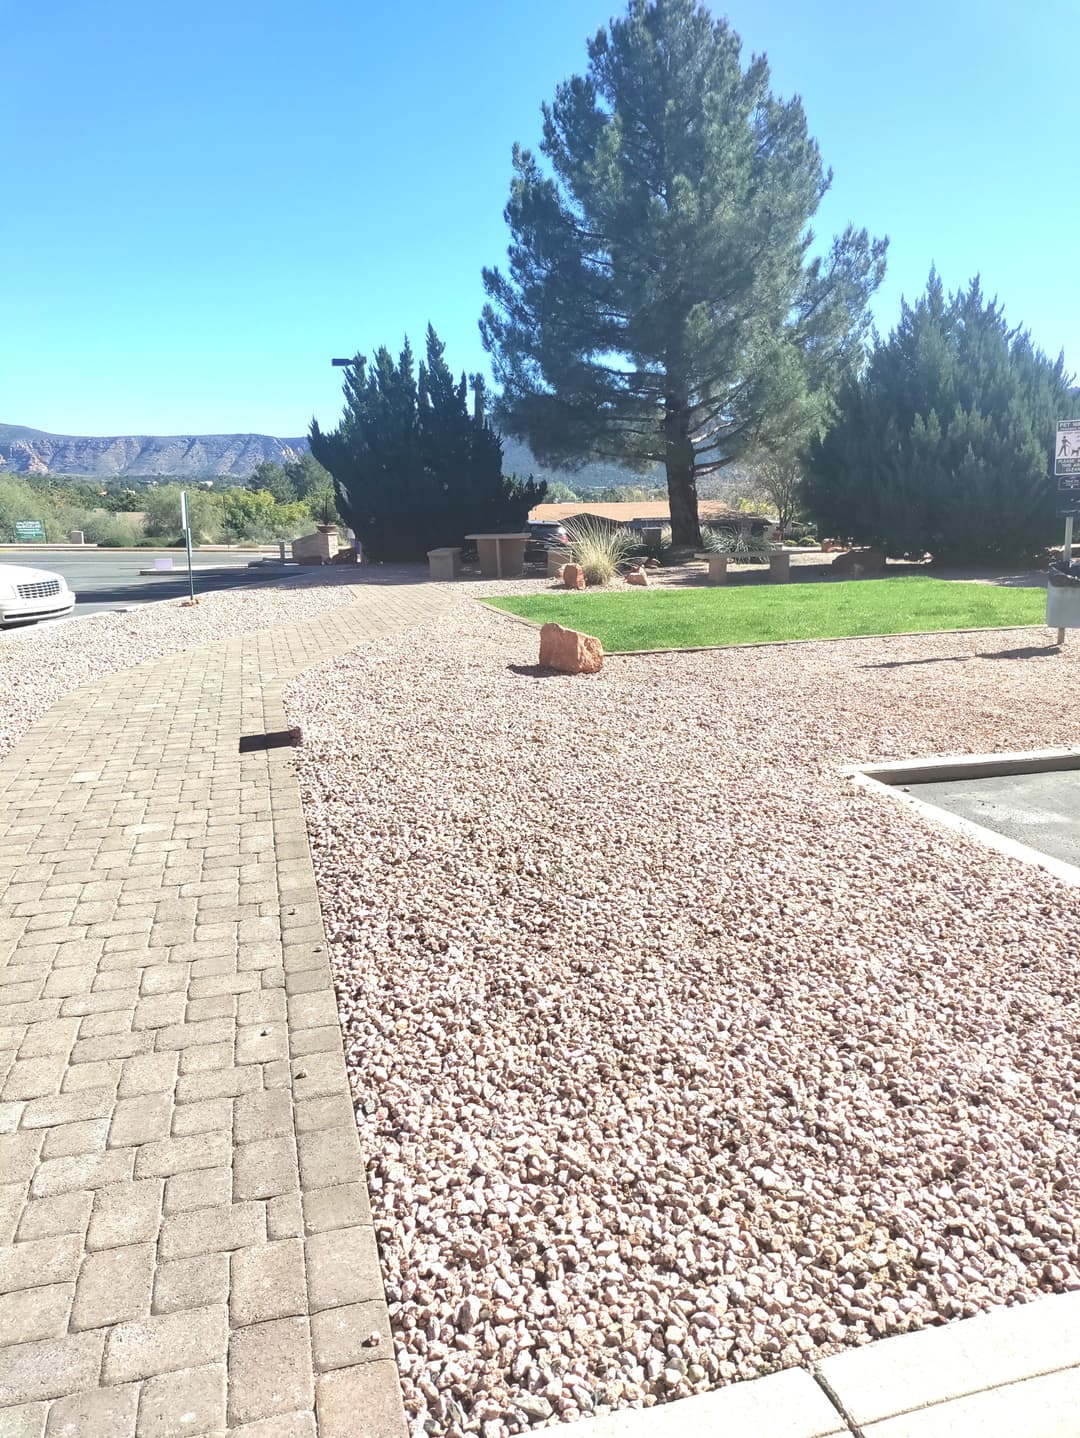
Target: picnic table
502 556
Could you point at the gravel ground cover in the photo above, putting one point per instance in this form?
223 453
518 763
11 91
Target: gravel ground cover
677 1057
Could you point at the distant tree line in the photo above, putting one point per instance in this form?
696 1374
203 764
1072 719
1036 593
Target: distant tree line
274 502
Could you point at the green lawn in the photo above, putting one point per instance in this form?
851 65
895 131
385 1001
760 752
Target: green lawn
674 619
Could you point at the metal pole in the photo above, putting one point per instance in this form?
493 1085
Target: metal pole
190 575
184 520
1066 557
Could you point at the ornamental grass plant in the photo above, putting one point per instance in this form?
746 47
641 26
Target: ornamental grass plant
740 547
598 548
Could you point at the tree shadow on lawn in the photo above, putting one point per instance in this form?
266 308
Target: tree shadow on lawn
1025 579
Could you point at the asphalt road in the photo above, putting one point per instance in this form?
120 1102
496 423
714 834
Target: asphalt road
104 579
1040 810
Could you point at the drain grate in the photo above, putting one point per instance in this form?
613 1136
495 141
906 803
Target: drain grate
278 739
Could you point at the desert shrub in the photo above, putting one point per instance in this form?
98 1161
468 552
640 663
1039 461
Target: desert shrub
110 531
254 514
598 548
321 501
740 547
162 509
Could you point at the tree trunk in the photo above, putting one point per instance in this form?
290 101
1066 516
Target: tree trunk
681 481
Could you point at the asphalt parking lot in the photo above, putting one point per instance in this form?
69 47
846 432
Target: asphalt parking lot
105 579
1040 810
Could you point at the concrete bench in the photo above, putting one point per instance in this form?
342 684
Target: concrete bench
444 563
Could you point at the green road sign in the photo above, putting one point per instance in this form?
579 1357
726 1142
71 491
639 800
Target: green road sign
29 529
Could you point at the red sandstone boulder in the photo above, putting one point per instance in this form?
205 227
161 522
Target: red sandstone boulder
637 576
573 576
568 651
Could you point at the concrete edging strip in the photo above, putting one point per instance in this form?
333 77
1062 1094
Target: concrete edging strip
788 1404
915 1371
979 766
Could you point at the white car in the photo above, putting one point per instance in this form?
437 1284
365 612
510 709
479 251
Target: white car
27 594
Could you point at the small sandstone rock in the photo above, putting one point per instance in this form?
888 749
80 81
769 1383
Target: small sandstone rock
570 652
637 576
573 576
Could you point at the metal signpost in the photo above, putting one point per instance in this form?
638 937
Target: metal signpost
187 541
1067 474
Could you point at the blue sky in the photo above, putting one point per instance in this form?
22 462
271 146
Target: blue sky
205 201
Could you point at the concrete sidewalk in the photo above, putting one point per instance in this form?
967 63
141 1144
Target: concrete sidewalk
186 1241
1012 1373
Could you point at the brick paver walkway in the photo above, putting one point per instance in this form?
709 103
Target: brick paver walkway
186 1241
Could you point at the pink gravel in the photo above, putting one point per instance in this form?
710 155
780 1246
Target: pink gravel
678 1057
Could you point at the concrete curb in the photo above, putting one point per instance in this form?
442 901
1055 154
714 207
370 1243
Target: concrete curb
883 779
1010 1373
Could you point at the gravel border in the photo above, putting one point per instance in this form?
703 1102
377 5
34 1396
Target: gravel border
678 1057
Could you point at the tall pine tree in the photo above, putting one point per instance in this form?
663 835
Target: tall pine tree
413 469
943 445
661 302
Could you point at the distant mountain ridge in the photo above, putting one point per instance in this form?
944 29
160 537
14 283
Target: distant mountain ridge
33 451
203 456
519 459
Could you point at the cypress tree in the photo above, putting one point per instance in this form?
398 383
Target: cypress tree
942 445
413 470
